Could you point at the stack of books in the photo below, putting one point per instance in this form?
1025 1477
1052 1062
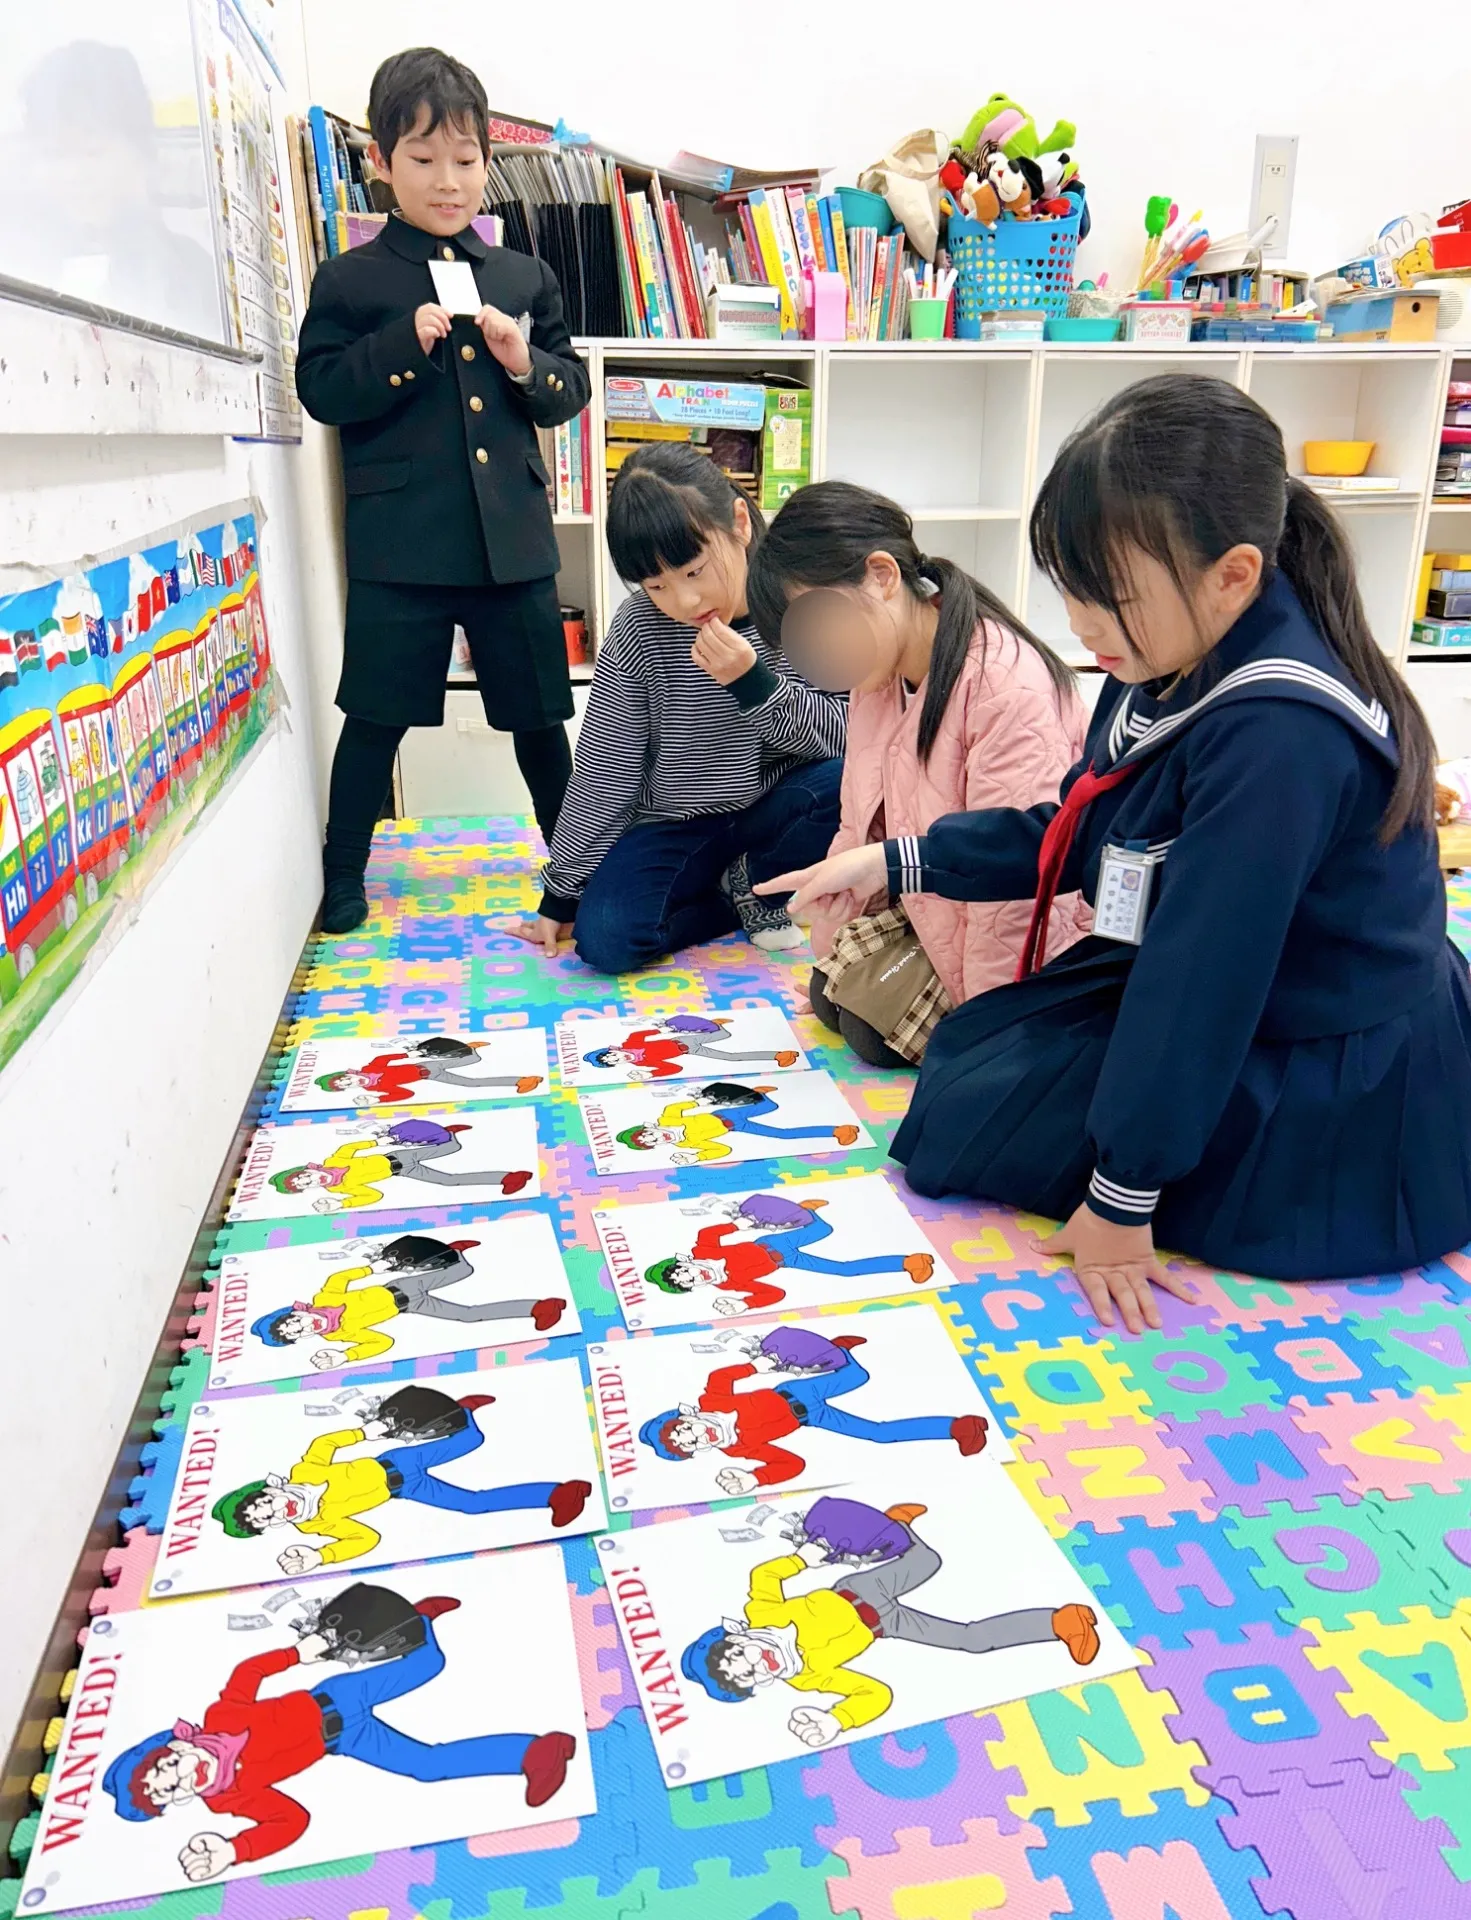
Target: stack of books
1453 468
566 452
776 235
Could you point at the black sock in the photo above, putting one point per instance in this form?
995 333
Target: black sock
545 761
362 769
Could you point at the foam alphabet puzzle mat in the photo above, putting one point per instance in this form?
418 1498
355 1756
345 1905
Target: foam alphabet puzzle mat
1270 1499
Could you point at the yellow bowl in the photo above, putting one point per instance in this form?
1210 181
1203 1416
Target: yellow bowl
1344 457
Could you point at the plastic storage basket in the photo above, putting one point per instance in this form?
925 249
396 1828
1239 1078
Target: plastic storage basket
1017 263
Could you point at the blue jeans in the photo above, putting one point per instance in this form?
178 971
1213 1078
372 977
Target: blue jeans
814 1392
791 1246
419 1483
353 1695
657 888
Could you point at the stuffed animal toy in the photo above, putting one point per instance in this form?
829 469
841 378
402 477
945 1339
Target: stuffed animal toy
999 188
1004 124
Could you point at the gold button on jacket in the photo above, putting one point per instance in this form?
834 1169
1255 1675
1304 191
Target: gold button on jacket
467 353
481 455
476 403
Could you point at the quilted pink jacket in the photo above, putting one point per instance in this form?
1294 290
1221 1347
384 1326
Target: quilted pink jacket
1002 743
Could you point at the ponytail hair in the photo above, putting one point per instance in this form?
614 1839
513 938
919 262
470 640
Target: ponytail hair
667 502
1182 468
825 535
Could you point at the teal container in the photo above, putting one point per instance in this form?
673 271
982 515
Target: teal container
862 209
1098 327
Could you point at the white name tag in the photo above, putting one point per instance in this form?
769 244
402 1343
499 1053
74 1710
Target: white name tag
1122 905
454 283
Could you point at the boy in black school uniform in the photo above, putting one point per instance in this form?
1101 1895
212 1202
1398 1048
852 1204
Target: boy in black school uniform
447 515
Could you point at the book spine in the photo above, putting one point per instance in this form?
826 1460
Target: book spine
627 258
771 259
564 470
807 261
638 213
326 185
682 272
819 211
664 262
834 210
574 491
786 242
886 295
755 266
874 284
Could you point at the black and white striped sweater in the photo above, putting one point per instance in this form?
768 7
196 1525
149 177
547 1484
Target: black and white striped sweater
661 740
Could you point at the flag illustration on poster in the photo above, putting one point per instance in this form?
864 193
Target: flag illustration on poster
459 1157
288 1313
636 1129
410 1069
288 1727
282 1484
721 1412
817 1619
810 1244
680 1046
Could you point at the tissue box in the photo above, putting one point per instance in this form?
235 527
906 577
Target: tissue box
744 313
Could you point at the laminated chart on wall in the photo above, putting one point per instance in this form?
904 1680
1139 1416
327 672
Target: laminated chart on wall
631 1129
734 1410
681 1046
389 1070
1267 1498
130 689
382 1297
282 1727
757 1250
286 1483
454 1158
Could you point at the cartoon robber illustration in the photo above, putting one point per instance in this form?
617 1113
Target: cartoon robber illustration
323 1496
243 1747
390 1077
810 1641
697 1127
659 1051
353 1174
786 1230
416 1269
747 1425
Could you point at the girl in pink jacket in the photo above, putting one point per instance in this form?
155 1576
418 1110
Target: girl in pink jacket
953 706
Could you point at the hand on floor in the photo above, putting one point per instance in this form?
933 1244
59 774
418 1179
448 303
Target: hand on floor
537 931
1116 1265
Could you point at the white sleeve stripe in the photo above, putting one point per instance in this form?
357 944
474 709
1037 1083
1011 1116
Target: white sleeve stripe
911 873
1126 1199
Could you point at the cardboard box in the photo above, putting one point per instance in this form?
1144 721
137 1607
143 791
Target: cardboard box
1158 319
1384 316
786 445
688 403
1446 634
744 313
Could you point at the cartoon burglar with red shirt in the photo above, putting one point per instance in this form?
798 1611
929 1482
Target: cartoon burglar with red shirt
393 1077
738 1269
236 1757
659 1051
747 1425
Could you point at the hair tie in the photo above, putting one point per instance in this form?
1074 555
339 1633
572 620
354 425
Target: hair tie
929 587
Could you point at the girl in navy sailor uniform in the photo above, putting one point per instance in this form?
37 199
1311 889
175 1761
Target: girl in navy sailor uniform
1262 1057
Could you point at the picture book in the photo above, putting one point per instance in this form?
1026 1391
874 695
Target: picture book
280 1484
634 1129
679 1046
414 1069
290 1313
814 1620
817 1244
237 1736
717 1413
460 1157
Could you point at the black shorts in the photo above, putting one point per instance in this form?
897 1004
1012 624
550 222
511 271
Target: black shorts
396 653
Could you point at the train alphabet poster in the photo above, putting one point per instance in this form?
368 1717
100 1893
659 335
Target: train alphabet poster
687 1418
130 689
392 1070
389 1162
293 1313
810 1620
694 1123
231 1737
281 1485
770 1249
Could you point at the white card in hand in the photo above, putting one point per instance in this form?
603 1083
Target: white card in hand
455 285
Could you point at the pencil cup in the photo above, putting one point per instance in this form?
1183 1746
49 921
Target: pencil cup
927 319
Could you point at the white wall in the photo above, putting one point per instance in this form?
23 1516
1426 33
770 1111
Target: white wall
115 1118
1164 99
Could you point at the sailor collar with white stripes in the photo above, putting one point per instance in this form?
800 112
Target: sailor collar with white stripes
1273 651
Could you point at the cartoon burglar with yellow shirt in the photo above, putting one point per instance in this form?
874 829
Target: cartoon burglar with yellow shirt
696 1128
323 1496
810 1641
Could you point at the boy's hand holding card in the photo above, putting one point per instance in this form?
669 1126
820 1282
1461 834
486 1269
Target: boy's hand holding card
431 324
505 340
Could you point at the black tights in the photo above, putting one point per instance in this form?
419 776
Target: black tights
362 775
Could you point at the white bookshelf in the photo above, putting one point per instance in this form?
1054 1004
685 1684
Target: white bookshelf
962 434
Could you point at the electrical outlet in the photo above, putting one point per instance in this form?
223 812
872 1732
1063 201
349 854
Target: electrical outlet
1272 176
